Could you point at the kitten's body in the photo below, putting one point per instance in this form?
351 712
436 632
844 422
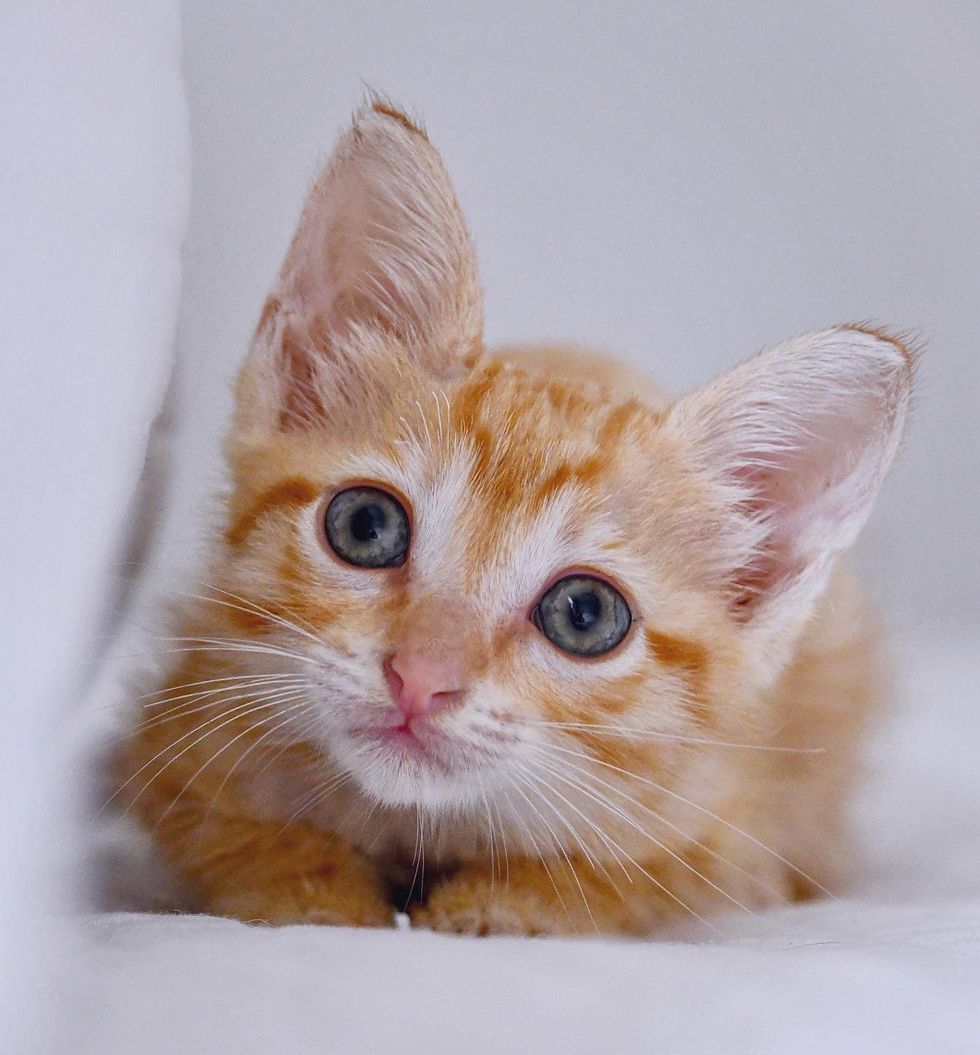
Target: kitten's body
704 763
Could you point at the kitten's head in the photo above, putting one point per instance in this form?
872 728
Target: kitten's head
478 564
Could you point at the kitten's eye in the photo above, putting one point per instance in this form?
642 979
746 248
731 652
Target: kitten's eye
583 615
367 527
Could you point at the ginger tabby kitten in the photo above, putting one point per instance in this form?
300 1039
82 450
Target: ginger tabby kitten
512 631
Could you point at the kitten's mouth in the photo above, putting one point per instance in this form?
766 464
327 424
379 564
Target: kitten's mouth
407 761
410 738
422 744
413 734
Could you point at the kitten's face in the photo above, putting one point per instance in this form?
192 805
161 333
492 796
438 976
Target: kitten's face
523 588
483 567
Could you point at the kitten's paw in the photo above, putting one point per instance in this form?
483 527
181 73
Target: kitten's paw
480 920
308 902
532 902
472 907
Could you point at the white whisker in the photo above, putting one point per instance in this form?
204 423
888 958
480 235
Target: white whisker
202 681
534 843
704 847
700 809
491 842
214 697
661 886
604 838
252 609
248 751
648 734
258 650
221 750
495 806
537 850
313 798
258 702
558 844
604 801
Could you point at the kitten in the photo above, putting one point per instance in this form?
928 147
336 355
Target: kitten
512 635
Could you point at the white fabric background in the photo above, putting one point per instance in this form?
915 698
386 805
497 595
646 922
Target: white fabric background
93 193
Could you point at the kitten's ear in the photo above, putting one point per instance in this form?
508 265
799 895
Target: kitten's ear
799 438
380 278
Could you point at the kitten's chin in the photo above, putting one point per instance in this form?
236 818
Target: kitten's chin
398 769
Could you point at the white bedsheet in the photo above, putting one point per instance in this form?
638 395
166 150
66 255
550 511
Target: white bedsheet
894 967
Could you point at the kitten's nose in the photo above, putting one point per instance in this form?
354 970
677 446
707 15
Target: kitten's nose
421 685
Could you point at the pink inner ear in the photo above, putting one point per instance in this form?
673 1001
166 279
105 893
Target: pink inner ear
806 433
301 402
340 267
813 496
760 575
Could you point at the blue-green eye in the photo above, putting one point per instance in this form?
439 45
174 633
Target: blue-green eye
583 615
367 527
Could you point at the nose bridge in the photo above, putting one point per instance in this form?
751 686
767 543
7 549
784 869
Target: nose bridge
438 629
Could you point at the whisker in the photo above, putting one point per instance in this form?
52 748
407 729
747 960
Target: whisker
661 886
597 864
435 397
587 774
534 843
607 842
649 734
221 750
495 806
245 600
560 846
602 800
202 681
422 854
309 728
185 710
267 700
700 809
417 856
233 644
313 799
216 697
244 712
534 773
494 863
425 424
253 609
366 815
241 758
258 650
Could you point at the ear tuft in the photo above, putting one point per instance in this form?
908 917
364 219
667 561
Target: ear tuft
798 439
908 344
382 105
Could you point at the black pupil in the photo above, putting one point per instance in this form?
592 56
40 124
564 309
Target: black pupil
367 522
584 609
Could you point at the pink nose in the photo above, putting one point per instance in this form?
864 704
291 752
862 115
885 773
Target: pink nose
420 685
